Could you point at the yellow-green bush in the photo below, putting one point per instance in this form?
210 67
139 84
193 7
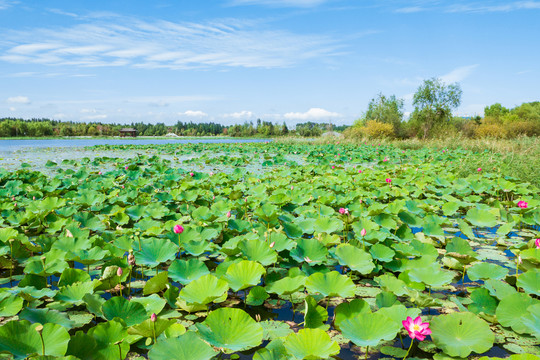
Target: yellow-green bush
376 129
523 128
491 131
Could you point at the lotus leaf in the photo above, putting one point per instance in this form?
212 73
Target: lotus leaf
349 310
186 347
231 329
315 316
355 258
205 289
484 271
155 251
481 218
131 312
286 286
530 281
459 334
260 251
330 284
309 250
185 271
156 284
311 344
512 308
257 295
369 329
109 339
244 274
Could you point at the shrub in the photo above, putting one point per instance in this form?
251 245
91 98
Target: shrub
523 128
491 130
376 129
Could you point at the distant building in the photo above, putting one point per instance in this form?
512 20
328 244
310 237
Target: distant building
128 132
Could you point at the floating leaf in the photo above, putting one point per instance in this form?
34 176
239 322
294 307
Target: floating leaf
311 344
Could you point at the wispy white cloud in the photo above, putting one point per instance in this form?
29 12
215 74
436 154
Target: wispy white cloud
193 113
280 3
467 6
6 4
164 44
494 7
410 9
312 114
244 114
458 74
18 100
94 117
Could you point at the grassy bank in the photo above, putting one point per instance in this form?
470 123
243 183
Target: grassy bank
517 158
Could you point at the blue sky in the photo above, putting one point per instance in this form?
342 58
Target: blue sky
229 61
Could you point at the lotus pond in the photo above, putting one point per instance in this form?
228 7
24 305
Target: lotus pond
267 251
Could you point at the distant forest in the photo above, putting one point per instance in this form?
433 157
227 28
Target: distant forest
12 127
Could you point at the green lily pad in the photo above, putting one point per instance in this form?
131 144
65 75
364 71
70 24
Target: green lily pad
244 274
131 312
356 259
231 329
529 281
369 329
459 334
311 344
185 271
512 308
484 271
330 284
204 290
185 347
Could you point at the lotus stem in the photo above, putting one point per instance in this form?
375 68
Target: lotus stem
39 330
367 352
292 305
408 350
154 331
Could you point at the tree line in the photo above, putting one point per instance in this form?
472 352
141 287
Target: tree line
13 127
434 102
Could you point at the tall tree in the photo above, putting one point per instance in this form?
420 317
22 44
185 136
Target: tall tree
433 103
387 110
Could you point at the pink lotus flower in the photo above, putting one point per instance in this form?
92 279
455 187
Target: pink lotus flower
99 173
522 204
228 214
388 180
178 229
333 167
359 171
385 159
153 317
416 328
191 174
126 167
119 272
537 243
123 186
343 211
292 187
479 169
363 232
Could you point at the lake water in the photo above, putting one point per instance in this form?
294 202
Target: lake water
8 146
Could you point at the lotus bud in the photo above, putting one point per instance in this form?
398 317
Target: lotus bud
228 214
274 243
131 259
359 171
519 260
126 167
99 173
388 180
178 229
258 317
153 317
213 197
363 232
307 259
191 174
119 272
479 169
69 234
13 198
33 198
292 187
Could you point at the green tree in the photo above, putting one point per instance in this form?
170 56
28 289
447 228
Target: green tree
495 111
433 103
387 110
